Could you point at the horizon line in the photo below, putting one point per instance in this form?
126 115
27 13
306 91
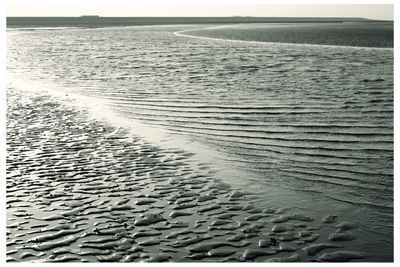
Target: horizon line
152 16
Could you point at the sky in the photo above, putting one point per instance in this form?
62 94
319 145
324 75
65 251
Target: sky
132 8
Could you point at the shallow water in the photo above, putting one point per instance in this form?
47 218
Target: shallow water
361 34
275 118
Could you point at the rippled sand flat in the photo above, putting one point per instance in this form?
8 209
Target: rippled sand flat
81 190
307 129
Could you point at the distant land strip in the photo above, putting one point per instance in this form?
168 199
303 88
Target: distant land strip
97 21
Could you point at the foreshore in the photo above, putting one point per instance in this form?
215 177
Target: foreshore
81 190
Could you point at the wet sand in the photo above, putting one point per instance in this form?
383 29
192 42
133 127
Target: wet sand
81 190
357 34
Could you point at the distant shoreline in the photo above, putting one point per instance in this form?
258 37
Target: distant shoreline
97 21
357 34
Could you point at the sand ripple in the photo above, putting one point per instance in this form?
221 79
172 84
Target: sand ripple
80 190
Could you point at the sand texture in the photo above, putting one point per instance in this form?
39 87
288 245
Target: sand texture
81 190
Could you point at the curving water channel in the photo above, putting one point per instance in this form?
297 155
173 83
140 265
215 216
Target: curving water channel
303 127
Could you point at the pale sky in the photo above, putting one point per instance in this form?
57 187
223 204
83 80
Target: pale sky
139 8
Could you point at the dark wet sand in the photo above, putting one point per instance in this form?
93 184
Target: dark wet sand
93 21
81 190
358 34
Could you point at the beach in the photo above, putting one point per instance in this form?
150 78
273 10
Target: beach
262 152
84 191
